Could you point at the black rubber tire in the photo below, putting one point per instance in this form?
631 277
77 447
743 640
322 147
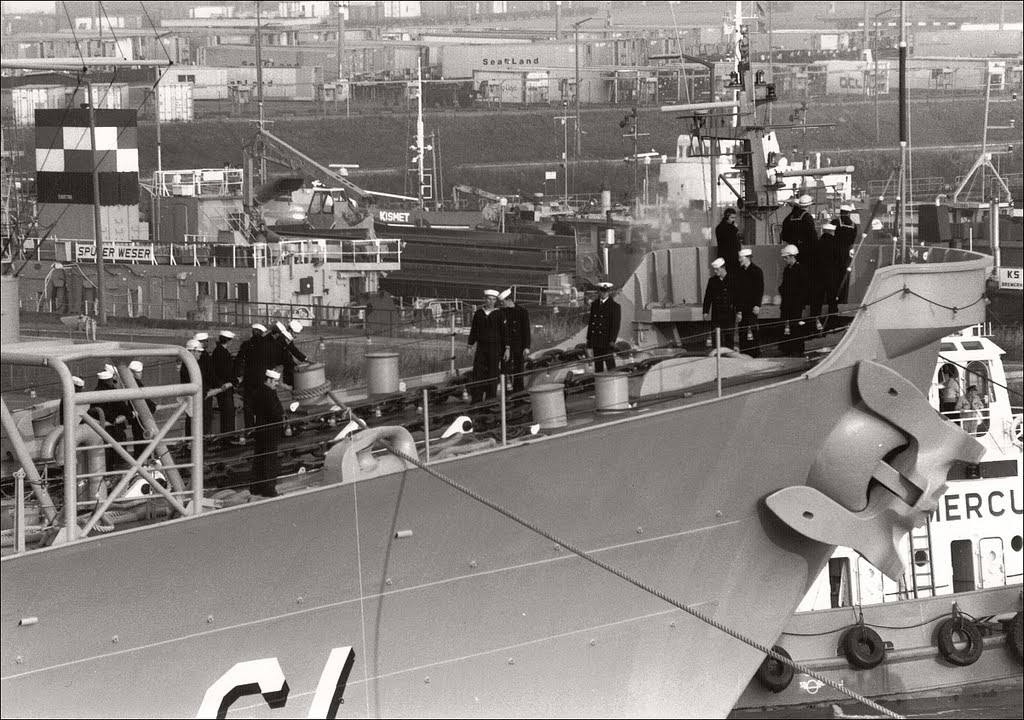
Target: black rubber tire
773 675
1015 636
946 636
863 647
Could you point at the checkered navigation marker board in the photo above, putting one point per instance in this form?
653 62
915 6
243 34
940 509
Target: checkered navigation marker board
65 156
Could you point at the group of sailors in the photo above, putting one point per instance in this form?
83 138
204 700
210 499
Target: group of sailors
501 336
815 275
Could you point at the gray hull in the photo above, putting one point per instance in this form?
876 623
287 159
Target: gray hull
472 614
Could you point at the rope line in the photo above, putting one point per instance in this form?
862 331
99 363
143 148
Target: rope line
798 667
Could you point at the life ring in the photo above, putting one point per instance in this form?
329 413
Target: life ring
303 313
774 675
588 263
959 629
1015 636
1017 430
863 647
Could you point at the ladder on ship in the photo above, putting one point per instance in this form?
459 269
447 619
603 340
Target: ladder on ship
921 561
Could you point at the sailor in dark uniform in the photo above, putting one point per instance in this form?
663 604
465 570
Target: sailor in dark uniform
750 292
250 369
490 335
135 367
195 347
846 238
603 328
793 293
224 380
266 459
205 360
720 301
822 282
728 237
798 227
517 323
115 415
287 352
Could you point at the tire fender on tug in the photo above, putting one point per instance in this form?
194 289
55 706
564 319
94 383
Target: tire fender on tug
774 675
956 630
863 647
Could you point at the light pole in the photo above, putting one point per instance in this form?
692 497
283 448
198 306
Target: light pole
576 33
874 57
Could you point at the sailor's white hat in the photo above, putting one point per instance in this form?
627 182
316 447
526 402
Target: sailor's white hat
287 335
846 207
135 366
193 344
77 381
105 375
717 263
296 326
790 250
280 327
828 228
746 252
227 334
876 224
273 374
201 336
490 293
805 201
605 285
504 294
259 326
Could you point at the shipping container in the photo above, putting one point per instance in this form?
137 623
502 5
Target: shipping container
222 83
176 102
29 98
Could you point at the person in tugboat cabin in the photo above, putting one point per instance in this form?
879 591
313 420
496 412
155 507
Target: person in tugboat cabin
489 333
749 293
266 461
720 305
603 328
971 408
517 320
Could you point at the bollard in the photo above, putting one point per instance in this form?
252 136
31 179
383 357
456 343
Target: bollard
548 403
612 390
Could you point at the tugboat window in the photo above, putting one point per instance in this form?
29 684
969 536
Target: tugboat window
977 374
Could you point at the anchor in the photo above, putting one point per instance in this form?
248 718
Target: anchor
831 508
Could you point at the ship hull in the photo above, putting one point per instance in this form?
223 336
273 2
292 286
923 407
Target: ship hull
451 608
471 615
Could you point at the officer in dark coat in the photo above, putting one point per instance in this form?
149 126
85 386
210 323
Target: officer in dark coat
517 323
750 292
798 227
224 380
728 237
266 458
720 301
846 238
794 293
490 335
603 328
